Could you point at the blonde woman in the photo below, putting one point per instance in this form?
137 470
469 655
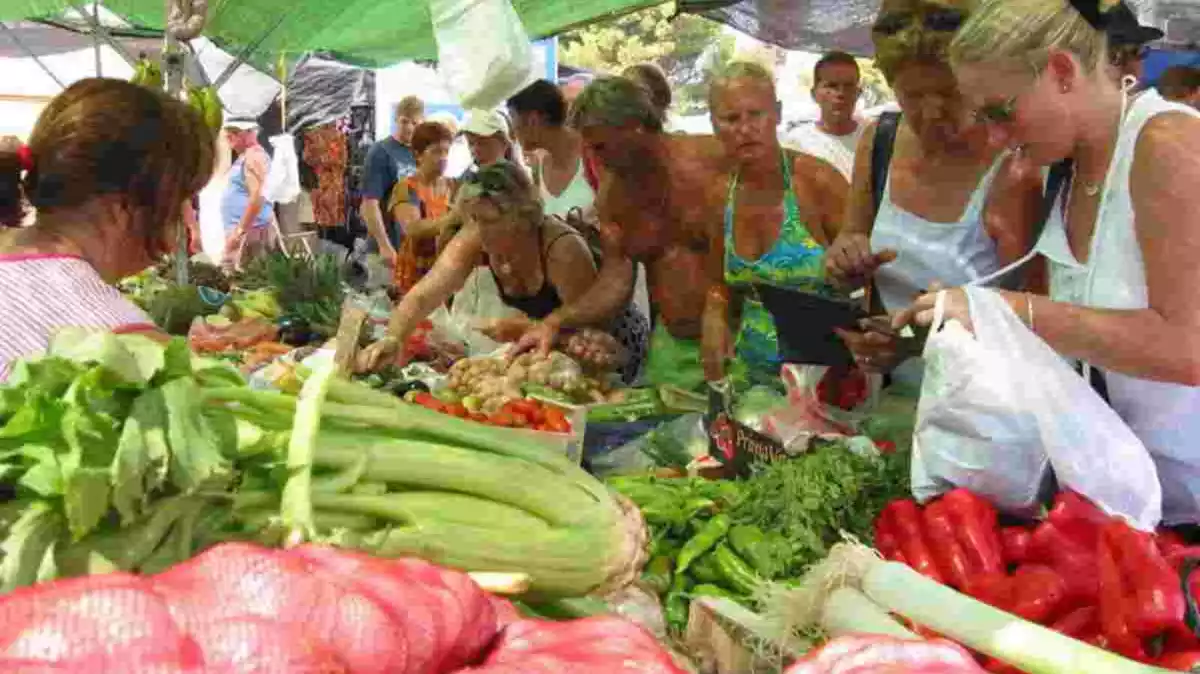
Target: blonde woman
1123 238
539 262
945 208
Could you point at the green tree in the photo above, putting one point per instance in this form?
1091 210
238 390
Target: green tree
685 47
874 85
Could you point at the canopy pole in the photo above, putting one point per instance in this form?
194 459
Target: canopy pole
96 38
185 20
99 29
12 34
245 53
282 72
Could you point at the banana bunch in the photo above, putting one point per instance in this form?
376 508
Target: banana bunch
148 73
205 101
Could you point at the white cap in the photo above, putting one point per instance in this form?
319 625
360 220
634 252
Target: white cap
486 123
241 124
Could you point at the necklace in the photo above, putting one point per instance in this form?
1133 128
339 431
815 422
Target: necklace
1091 189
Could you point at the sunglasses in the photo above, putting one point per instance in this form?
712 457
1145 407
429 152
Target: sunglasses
941 20
490 181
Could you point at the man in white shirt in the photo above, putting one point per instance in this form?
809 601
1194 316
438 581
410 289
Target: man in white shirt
836 88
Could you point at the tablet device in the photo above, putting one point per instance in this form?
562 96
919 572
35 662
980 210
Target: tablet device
805 324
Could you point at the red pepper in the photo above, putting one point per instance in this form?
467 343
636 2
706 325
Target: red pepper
949 554
1078 623
885 536
1113 597
1077 518
1038 593
1181 640
1177 556
1000 667
1154 597
1169 542
1014 544
1076 564
993 589
1182 661
906 517
977 530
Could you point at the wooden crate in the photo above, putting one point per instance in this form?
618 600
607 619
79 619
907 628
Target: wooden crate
724 637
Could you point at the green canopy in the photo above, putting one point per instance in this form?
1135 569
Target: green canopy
369 33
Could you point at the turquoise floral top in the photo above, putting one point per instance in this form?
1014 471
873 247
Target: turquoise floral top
795 261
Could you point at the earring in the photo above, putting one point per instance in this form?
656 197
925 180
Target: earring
1064 88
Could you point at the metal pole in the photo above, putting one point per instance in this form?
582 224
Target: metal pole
245 53
173 68
100 30
96 38
12 34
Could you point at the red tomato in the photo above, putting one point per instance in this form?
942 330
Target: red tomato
458 410
557 426
479 416
503 418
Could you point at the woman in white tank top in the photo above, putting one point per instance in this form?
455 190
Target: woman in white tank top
1123 241
949 211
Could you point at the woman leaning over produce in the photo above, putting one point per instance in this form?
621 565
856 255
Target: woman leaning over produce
948 209
108 168
1122 240
539 262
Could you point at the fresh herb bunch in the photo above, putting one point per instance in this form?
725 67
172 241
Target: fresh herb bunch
812 499
175 307
309 290
199 274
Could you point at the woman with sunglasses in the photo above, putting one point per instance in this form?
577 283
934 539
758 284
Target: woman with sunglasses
1123 236
539 262
946 208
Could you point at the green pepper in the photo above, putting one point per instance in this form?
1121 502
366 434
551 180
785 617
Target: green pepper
675 610
738 575
705 569
709 590
751 544
657 575
708 537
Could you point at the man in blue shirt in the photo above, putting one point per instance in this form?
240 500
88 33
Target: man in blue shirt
388 161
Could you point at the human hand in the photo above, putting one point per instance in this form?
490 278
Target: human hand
377 355
850 262
716 344
923 309
539 337
506 329
874 349
389 256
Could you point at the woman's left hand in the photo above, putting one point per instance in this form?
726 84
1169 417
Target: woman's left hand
922 310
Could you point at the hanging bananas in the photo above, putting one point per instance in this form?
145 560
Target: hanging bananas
148 73
205 102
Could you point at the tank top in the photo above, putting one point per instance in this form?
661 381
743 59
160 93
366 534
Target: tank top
1163 415
794 261
578 193
42 294
542 303
237 197
951 253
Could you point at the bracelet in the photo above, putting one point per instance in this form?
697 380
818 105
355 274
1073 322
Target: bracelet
1029 311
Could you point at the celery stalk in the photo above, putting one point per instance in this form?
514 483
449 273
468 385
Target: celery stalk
297 510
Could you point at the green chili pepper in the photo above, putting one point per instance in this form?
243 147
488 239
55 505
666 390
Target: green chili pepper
657 575
705 569
738 575
675 610
709 590
709 536
751 544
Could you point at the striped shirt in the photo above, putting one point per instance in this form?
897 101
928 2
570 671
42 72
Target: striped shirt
41 294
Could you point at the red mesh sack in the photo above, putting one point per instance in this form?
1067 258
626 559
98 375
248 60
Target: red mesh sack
105 623
887 655
261 646
590 646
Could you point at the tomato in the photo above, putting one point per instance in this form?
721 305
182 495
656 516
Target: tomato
554 414
503 418
458 410
423 398
557 426
479 416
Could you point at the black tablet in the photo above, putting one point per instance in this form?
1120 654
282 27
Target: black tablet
805 324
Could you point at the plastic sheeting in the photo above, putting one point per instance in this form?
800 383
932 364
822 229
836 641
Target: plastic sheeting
322 91
812 25
365 32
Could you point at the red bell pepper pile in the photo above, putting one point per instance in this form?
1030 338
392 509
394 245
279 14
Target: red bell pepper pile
241 609
1079 572
887 655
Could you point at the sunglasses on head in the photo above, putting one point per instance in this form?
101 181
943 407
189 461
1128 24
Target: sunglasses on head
941 20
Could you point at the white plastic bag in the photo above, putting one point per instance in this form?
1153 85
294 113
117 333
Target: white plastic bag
484 53
283 178
999 408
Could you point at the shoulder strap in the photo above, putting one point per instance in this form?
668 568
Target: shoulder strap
1060 174
881 154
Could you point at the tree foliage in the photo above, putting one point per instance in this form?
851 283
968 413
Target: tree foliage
685 47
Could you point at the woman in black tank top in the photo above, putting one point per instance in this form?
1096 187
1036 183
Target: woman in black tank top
539 263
